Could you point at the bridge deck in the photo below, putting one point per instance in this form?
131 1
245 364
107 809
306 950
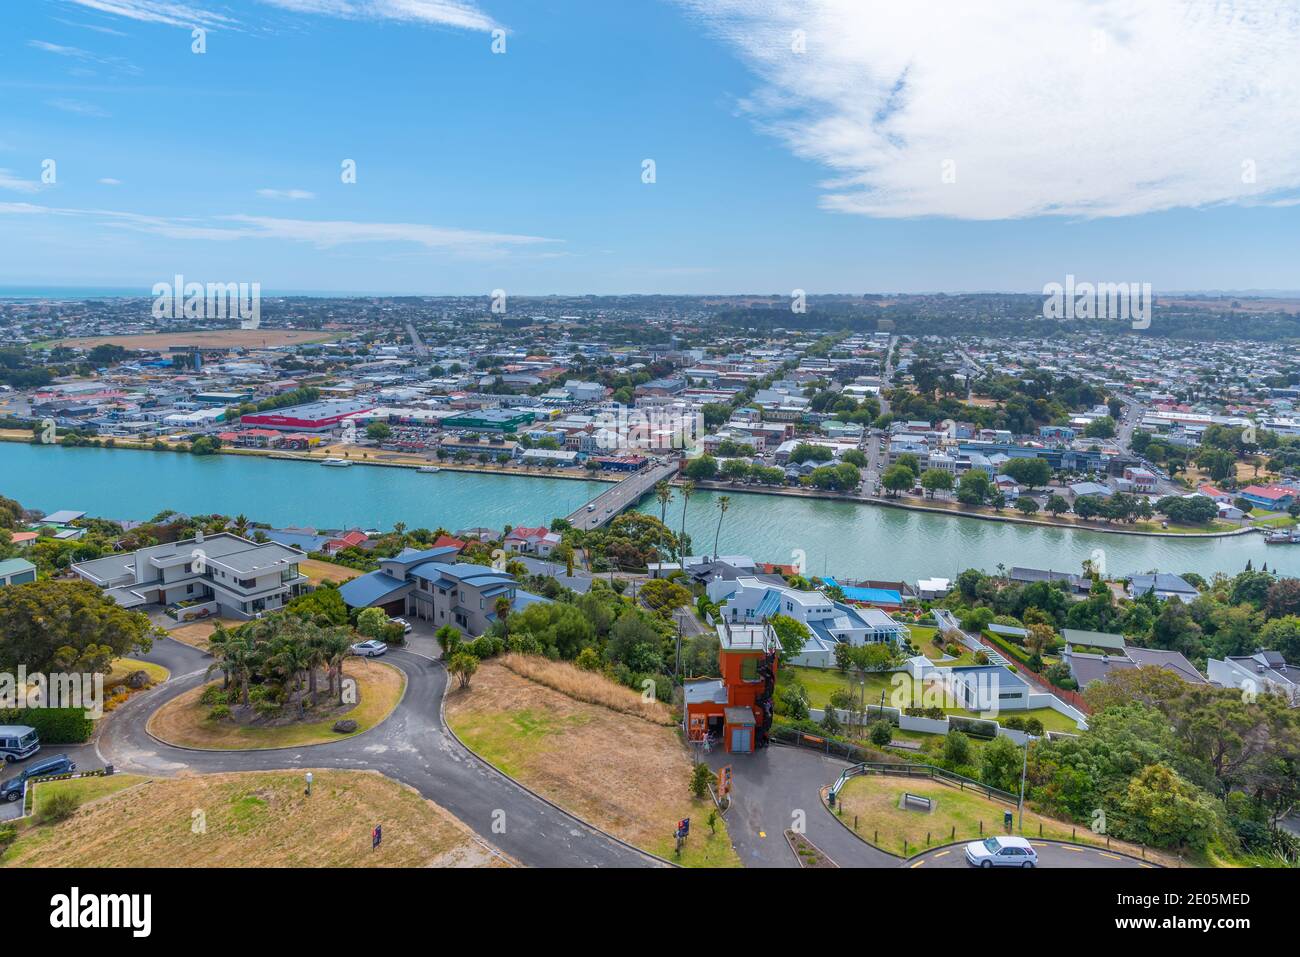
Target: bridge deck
616 499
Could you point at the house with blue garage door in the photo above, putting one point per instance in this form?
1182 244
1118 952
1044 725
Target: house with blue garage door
430 585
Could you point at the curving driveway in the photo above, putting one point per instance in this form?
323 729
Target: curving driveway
411 746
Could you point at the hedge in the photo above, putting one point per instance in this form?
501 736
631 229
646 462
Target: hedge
54 725
974 727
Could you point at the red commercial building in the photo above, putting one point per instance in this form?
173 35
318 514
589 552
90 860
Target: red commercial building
312 417
736 709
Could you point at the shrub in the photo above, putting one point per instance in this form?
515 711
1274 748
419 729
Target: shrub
54 725
8 834
701 778
213 695
58 807
882 732
219 712
1035 727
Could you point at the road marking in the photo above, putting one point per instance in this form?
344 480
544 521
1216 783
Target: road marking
942 853
1113 857
917 864
1077 850
762 834
1036 844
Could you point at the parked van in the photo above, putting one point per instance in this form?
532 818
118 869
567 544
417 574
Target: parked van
12 789
17 741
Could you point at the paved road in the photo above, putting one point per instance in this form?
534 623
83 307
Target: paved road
1049 855
776 788
412 746
618 498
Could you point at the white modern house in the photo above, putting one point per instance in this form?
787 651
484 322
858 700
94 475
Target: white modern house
1265 672
749 601
221 574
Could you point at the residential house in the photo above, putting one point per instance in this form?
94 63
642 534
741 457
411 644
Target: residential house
219 574
1260 673
427 586
16 571
1164 585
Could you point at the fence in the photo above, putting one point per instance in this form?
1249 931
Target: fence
921 771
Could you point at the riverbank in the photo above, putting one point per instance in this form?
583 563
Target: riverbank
831 534
380 459
958 510
399 460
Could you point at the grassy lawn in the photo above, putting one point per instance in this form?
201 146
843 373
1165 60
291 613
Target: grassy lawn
124 666
184 720
625 774
821 683
256 819
1274 520
874 799
85 789
318 571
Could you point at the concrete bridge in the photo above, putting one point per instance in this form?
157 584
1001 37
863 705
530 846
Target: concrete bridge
616 499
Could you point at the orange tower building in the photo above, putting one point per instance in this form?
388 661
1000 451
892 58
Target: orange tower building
736 709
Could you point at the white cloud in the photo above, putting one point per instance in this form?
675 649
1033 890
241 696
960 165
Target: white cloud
117 63
1081 107
109 181
323 234
10 181
463 14
171 13
80 107
285 194
452 13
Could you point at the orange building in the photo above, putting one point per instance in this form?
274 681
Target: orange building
737 708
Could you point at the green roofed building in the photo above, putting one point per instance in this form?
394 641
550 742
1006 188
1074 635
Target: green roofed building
17 571
494 420
1093 639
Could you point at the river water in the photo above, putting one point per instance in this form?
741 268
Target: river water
836 538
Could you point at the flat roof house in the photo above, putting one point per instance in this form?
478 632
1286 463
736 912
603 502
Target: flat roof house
218 574
1261 673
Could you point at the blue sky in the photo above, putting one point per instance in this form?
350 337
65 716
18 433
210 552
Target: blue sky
798 144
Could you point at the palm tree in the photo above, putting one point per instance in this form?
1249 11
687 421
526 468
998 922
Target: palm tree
688 489
664 493
338 648
502 607
724 503
241 524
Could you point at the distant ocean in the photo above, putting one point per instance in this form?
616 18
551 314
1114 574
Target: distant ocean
73 292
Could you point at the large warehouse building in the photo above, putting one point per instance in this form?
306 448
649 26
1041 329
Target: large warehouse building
312 417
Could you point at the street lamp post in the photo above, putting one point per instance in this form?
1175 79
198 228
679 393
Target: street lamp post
1024 767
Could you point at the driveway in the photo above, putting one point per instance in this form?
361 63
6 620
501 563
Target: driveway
411 746
775 787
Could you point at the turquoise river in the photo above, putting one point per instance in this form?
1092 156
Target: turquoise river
838 538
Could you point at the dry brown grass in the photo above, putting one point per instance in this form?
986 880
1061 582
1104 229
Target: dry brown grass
588 686
318 571
197 633
256 819
184 720
628 776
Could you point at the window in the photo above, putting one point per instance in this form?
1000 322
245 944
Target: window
749 669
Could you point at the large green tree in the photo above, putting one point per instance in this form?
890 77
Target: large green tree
66 626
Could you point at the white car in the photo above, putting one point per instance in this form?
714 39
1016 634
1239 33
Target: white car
406 625
1001 852
370 649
